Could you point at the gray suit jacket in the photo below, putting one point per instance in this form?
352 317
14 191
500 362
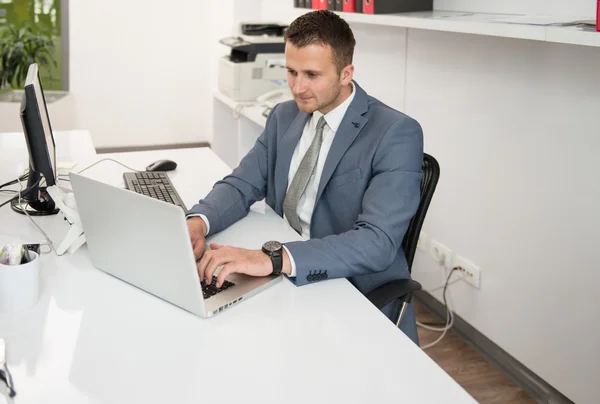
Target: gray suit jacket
367 195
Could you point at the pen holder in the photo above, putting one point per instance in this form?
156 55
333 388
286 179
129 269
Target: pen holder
19 285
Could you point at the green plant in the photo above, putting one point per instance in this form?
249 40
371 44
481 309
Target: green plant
19 49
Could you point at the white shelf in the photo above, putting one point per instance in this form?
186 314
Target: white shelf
236 126
250 110
255 114
226 100
477 24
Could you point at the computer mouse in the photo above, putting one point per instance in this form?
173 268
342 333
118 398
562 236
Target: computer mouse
162 165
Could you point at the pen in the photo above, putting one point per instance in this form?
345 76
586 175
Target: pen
4 373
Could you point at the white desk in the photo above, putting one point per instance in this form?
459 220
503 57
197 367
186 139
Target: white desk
95 339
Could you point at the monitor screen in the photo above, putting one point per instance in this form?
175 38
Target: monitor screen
41 147
37 128
43 111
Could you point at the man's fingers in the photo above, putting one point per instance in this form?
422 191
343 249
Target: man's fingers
217 259
203 264
198 248
227 270
215 246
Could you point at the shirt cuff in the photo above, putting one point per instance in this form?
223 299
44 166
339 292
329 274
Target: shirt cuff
292 263
203 217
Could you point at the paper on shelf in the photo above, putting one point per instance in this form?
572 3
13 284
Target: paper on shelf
65 165
539 20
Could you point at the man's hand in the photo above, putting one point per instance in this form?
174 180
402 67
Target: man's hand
197 230
240 260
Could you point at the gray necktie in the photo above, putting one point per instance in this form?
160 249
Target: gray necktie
305 170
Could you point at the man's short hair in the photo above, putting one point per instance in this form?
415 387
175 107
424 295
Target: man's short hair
322 27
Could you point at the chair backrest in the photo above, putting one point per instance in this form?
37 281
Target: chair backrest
431 174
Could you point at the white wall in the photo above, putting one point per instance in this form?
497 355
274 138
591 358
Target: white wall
514 125
62 114
141 70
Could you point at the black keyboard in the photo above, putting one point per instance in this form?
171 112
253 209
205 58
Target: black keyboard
155 184
211 289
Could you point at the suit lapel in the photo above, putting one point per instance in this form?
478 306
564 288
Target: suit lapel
350 127
285 150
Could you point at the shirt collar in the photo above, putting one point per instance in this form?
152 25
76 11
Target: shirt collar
335 116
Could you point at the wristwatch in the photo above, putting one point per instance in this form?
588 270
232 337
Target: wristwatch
274 250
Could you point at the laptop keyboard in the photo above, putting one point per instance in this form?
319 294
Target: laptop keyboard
211 289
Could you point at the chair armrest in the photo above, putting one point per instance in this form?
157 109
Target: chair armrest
403 289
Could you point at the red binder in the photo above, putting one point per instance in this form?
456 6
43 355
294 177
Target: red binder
349 6
395 6
352 6
598 17
319 4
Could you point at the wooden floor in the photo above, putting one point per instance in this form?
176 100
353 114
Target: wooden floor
468 367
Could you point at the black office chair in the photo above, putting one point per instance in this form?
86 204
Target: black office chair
403 289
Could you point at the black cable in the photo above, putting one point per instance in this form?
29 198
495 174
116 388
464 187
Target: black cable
16 181
23 192
431 324
9 201
446 287
9 183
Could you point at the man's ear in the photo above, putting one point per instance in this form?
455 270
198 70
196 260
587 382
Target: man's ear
347 75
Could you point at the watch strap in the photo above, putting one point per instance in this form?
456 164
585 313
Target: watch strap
277 260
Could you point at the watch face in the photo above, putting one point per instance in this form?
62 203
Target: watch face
272 246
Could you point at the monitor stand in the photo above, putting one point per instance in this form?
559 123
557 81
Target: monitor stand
35 200
33 208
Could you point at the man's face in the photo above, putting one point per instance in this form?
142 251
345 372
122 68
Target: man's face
313 77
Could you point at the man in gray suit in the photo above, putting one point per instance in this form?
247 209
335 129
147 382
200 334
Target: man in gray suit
340 166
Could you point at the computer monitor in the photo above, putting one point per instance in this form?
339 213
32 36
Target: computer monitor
41 147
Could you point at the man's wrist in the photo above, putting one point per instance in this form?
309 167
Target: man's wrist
286 266
200 222
288 263
267 262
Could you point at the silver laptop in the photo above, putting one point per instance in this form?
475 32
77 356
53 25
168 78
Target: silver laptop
145 242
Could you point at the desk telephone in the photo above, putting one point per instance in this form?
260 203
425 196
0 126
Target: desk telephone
274 97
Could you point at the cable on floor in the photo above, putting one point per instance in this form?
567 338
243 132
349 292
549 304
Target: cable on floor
449 314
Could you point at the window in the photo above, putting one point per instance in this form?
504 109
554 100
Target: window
46 22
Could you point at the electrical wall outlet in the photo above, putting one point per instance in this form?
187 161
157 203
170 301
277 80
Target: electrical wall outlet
422 243
469 271
440 253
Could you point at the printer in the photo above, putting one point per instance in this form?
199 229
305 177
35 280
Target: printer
256 63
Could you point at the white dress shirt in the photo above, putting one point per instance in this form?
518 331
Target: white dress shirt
306 204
